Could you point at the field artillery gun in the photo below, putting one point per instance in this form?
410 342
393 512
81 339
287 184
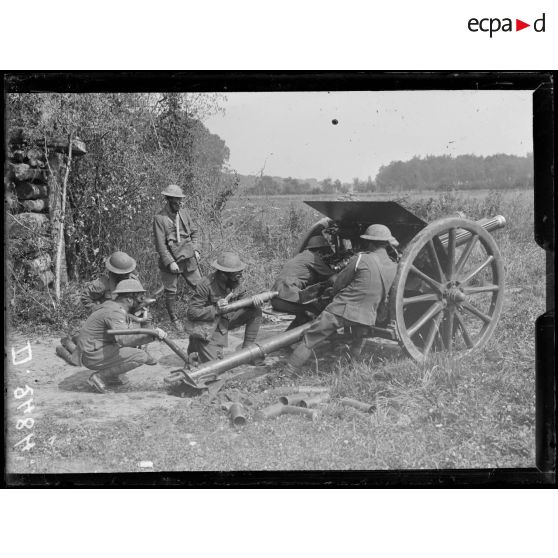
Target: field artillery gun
448 292
446 297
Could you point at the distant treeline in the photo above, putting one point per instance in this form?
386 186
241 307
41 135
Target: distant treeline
420 173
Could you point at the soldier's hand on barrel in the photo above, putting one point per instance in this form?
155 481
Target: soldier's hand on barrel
174 268
258 301
160 333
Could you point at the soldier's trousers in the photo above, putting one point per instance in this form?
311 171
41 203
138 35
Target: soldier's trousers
170 280
213 349
324 326
299 310
114 360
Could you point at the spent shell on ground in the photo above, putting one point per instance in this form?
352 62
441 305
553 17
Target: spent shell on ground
365 407
294 399
312 414
269 412
314 400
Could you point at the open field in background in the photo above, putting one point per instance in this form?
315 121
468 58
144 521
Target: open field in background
477 412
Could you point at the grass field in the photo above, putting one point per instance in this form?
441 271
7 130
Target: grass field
476 412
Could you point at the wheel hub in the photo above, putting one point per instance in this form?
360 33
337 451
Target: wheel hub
453 293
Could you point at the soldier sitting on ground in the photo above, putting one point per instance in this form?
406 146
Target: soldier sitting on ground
111 356
208 330
359 290
119 266
305 269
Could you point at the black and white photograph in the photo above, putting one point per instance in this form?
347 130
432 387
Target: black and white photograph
270 280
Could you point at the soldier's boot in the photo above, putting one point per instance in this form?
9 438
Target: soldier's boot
170 302
70 358
68 344
151 360
299 356
117 381
97 383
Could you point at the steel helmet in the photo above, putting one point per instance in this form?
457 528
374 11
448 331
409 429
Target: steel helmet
120 263
129 286
316 242
173 191
229 262
380 233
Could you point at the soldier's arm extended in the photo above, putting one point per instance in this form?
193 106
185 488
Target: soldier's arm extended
200 307
160 234
117 320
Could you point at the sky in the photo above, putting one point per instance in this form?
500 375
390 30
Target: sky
294 134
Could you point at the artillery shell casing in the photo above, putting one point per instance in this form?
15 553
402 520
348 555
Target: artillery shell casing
294 399
365 407
270 412
292 410
237 414
315 400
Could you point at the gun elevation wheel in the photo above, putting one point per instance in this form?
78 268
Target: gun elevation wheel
449 289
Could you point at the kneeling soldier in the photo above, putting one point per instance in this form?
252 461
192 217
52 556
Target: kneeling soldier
305 269
111 356
208 330
119 266
358 292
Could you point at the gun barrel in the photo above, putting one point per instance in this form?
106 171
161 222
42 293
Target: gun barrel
488 223
245 356
245 302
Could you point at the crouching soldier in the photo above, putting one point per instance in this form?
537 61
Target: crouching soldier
119 266
208 331
111 356
305 269
359 290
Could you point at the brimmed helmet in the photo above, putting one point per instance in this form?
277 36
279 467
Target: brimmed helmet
129 286
229 262
316 242
120 263
380 233
173 191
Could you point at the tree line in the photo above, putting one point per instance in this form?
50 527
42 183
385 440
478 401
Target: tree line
434 172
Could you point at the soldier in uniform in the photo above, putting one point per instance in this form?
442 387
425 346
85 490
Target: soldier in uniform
111 356
176 241
305 269
208 331
119 266
359 290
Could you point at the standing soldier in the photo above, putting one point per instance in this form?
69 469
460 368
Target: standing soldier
119 266
360 293
176 241
305 269
111 356
208 330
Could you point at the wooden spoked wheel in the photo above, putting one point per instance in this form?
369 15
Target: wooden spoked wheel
448 293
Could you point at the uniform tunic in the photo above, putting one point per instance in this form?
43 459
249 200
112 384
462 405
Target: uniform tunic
358 291
165 226
306 268
202 311
98 291
101 351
